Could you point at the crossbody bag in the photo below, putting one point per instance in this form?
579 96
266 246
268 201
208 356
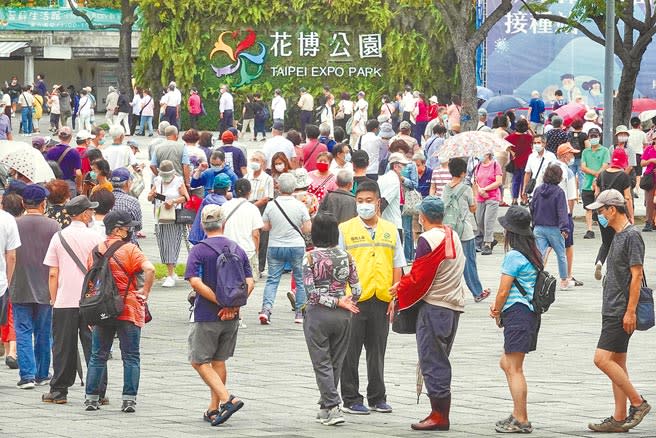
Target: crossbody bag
307 239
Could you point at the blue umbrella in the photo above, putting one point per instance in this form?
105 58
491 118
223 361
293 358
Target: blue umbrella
501 104
484 93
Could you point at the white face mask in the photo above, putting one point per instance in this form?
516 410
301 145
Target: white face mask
366 211
538 148
622 138
571 161
280 167
255 166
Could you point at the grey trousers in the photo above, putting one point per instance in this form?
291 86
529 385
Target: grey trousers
486 217
436 331
326 335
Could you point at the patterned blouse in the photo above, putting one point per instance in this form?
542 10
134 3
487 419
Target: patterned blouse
58 213
325 274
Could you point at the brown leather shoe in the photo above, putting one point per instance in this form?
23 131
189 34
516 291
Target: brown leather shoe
439 416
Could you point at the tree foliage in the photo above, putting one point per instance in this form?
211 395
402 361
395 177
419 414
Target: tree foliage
178 35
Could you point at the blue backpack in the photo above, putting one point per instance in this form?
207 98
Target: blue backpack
230 286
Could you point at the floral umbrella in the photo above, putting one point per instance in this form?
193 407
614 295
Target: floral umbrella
23 158
472 144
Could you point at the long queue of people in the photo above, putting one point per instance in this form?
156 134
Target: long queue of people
333 214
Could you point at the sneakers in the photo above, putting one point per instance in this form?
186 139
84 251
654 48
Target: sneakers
577 282
129 406
322 415
242 325
487 249
597 271
566 285
56 397
292 299
511 425
168 282
298 317
91 405
11 363
607 425
356 409
589 235
648 228
482 296
636 414
25 384
381 407
265 317
43 382
334 417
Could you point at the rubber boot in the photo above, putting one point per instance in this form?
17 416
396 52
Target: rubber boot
439 416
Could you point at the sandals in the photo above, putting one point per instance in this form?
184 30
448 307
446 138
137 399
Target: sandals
209 416
226 410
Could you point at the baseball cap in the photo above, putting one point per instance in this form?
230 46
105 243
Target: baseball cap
211 213
118 218
398 157
278 126
79 205
606 198
619 159
38 142
83 134
235 132
227 137
482 112
404 125
566 148
15 186
594 131
120 175
65 132
34 194
432 207
222 181
433 99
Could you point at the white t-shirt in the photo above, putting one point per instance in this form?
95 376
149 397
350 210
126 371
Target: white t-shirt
278 107
589 125
85 106
119 155
370 143
335 168
637 140
533 165
226 103
242 223
277 144
390 189
282 234
9 239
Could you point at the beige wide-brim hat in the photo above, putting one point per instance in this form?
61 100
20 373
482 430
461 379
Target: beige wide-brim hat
590 116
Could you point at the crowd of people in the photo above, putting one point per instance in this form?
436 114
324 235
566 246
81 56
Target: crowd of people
346 206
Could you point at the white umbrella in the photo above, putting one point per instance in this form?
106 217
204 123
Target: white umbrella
471 144
23 158
647 115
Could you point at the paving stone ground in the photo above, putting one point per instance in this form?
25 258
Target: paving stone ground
272 373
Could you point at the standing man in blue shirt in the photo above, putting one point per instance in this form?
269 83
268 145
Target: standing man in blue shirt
536 113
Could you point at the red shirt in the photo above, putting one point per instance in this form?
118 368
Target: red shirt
310 151
522 147
86 166
422 113
432 111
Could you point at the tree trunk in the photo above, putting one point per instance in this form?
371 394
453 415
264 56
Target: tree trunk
125 48
624 100
467 66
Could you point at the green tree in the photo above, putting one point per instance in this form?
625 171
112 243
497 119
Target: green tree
632 37
460 18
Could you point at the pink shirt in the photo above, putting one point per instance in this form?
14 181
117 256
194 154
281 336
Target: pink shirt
486 175
194 104
82 240
648 154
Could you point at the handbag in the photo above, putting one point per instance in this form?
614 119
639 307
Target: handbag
166 215
184 216
412 201
405 321
147 316
645 309
510 167
647 182
530 185
138 185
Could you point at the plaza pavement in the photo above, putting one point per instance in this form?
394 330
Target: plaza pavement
272 373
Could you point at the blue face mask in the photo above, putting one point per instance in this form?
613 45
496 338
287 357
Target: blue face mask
602 220
347 158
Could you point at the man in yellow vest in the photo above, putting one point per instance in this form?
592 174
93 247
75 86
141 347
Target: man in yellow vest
376 248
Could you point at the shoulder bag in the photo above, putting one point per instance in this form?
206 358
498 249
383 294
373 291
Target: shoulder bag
645 309
530 185
306 238
165 215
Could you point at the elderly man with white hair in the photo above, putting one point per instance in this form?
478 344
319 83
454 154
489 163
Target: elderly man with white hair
535 113
157 141
118 154
341 202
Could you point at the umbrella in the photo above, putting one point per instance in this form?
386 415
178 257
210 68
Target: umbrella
472 143
643 104
570 112
23 158
484 93
501 104
647 115
420 382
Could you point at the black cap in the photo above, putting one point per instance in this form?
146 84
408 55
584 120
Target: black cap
517 220
116 218
79 205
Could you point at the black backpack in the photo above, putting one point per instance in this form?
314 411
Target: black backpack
100 301
544 291
230 287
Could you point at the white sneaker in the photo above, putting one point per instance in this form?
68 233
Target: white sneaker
567 285
175 277
597 271
168 282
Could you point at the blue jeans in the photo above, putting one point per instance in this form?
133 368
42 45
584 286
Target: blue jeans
102 338
33 325
546 237
408 239
26 120
146 121
578 173
260 126
517 182
471 272
276 259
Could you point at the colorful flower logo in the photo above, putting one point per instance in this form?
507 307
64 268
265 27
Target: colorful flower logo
240 58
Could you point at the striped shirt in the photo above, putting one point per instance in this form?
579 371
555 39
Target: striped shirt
517 266
440 178
125 202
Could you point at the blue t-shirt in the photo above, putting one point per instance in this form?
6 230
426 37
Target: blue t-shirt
207 179
202 263
197 233
537 108
70 163
517 266
330 143
235 159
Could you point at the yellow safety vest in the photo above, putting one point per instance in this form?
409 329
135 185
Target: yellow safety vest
374 258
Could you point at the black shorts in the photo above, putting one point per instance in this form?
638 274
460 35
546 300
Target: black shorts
638 167
570 232
613 337
520 329
588 197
